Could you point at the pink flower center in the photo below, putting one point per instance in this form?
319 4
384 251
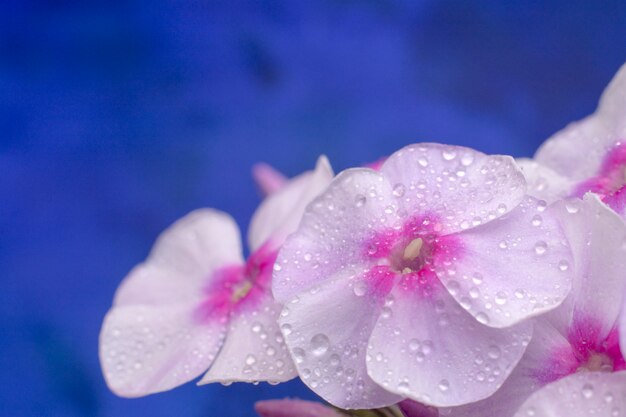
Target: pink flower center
413 253
587 351
232 288
611 175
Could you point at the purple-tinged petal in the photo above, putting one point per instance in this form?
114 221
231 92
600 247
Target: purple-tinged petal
326 330
579 395
511 268
431 350
579 151
411 408
280 213
254 349
294 408
617 201
335 232
544 183
597 237
153 338
147 349
268 179
547 358
461 186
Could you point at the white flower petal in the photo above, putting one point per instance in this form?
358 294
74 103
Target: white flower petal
460 185
544 183
430 350
512 268
577 151
147 349
254 349
579 395
334 231
182 260
280 213
538 366
327 329
597 237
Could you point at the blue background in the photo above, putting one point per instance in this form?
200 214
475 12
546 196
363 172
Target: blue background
118 117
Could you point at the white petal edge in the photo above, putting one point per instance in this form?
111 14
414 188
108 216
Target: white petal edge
280 213
149 349
182 260
434 352
512 268
460 185
326 330
579 395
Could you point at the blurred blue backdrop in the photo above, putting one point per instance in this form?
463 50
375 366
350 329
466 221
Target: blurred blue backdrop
117 117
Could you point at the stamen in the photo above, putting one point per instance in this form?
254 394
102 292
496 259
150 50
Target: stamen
412 250
241 291
597 362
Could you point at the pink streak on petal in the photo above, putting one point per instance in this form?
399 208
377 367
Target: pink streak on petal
376 164
612 350
268 179
221 300
562 362
379 281
610 177
294 408
585 341
617 201
217 304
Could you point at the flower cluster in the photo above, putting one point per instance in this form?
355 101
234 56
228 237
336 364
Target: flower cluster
438 282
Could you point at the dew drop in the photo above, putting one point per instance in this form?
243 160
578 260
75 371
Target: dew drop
563 265
320 344
541 248
359 200
482 318
444 385
448 154
493 352
250 360
298 355
359 289
399 190
501 298
587 391
286 329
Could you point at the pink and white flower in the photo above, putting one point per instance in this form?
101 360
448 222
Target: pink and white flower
576 346
415 281
591 153
195 303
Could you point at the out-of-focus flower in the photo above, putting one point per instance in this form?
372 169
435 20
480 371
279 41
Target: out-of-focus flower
581 335
396 282
294 408
589 155
268 179
195 303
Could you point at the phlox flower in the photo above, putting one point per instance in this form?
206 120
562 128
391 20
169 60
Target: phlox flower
573 366
195 303
588 155
414 280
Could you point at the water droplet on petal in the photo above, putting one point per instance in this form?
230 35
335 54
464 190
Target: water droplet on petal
444 385
320 344
541 247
